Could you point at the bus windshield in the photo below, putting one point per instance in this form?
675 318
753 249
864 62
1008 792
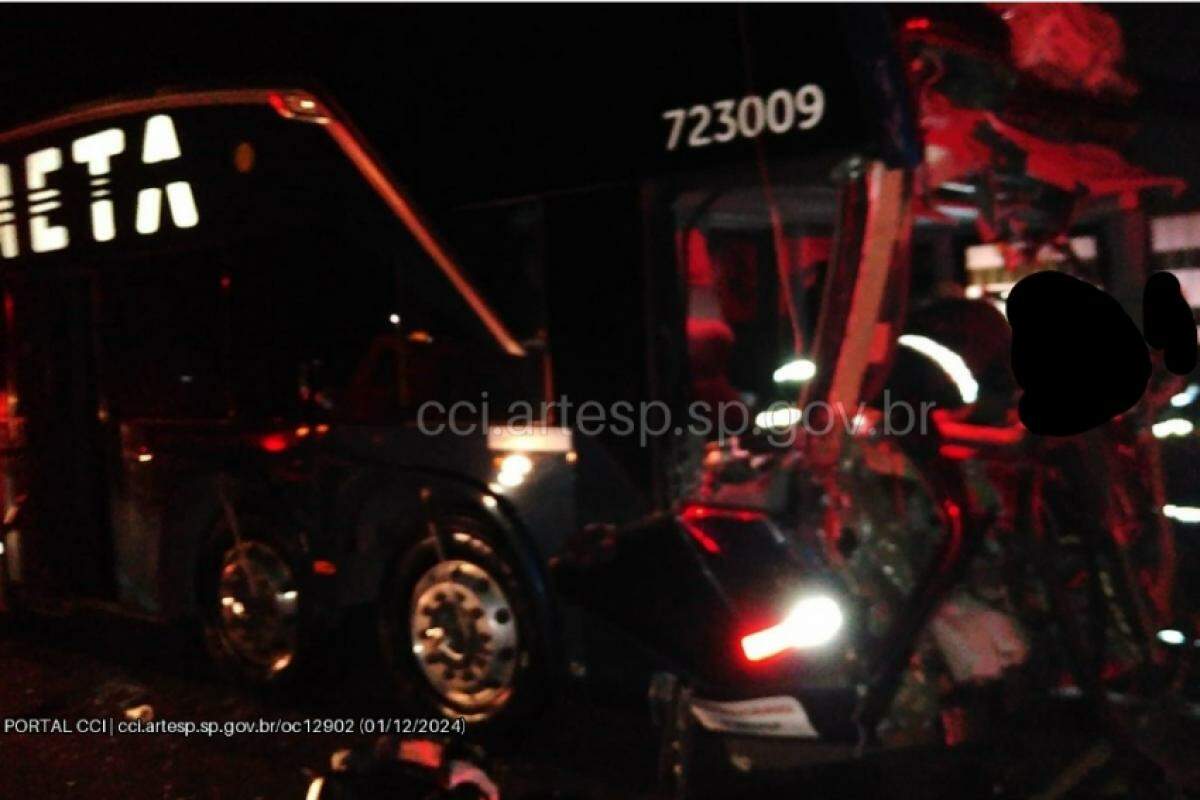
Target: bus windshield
229 249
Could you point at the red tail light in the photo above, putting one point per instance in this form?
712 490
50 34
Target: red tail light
814 621
274 443
322 567
766 643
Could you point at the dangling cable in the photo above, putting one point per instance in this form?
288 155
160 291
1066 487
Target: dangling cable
779 243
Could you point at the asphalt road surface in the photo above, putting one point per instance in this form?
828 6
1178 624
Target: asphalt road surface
90 665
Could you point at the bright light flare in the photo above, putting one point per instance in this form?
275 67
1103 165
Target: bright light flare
1186 397
1189 514
1171 636
1172 427
509 480
949 361
778 418
797 371
518 463
513 470
812 622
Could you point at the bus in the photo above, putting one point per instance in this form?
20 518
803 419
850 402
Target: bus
498 354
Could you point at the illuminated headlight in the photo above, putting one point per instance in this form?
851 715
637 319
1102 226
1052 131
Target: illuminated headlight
513 469
813 622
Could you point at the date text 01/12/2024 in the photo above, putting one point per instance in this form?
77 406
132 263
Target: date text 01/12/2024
390 725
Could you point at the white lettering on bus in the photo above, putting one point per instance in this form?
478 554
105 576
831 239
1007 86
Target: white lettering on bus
43 237
722 121
8 218
161 144
95 151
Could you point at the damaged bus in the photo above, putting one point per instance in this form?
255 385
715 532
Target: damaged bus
254 378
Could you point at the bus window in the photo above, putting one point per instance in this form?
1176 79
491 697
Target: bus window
164 336
238 259
748 331
502 246
313 293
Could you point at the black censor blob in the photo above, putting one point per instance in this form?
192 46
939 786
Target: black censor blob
1167 320
1076 354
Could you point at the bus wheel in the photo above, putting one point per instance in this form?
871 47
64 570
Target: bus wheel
458 629
251 603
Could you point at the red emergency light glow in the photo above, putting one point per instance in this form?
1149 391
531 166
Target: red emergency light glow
276 101
702 538
273 443
424 752
957 452
692 514
695 512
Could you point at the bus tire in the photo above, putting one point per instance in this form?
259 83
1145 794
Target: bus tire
252 598
458 629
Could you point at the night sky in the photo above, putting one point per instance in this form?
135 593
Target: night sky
446 93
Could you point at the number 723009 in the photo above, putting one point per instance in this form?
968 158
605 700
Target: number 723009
780 112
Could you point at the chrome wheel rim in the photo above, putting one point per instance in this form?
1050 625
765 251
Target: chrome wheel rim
258 607
464 636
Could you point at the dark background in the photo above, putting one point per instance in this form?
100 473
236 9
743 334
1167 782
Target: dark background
471 102
464 103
